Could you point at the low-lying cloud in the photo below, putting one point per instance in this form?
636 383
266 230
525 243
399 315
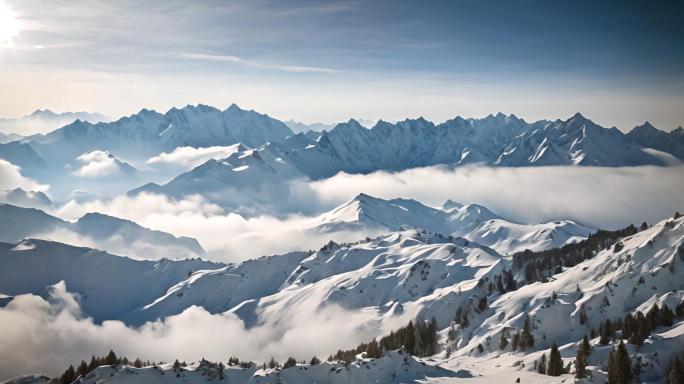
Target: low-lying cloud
190 157
225 236
11 178
601 197
45 336
97 164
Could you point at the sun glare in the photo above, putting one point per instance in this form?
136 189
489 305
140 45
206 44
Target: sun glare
9 26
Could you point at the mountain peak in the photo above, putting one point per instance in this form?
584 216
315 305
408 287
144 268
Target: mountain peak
233 108
578 116
450 205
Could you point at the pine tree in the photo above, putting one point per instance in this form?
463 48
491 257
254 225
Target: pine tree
541 366
82 369
290 362
526 338
606 331
93 363
503 341
555 367
68 376
585 346
666 316
612 369
623 365
580 364
675 373
111 359
515 343
315 361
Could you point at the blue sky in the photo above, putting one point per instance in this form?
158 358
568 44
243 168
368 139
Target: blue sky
619 62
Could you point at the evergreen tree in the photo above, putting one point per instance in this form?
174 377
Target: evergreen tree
515 343
315 361
111 359
94 363
290 362
666 316
526 338
580 364
82 369
612 369
585 346
623 365
675 373
555 367
541 366
503 340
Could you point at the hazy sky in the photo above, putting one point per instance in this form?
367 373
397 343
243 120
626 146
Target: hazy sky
619 62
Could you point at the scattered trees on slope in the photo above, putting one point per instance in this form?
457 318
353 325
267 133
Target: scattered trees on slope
418 340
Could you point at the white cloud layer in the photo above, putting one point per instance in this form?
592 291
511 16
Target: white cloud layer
11 177
190 157
601 197
225 236
97 164
60 335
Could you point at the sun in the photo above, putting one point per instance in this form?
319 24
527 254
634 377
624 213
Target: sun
9 25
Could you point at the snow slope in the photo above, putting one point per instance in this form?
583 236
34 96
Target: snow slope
148 133
607 286
649 136
108 285
396 367
473 222
576 141
390 279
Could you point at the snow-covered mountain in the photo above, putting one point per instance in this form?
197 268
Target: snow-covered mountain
298 127
649 136
24 156
110 285
392 279
26 199
45 120
496 140
9 137
245 178
106 232
576 141
473 222
396 367
148 133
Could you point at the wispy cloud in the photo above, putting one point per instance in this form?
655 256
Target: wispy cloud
256 64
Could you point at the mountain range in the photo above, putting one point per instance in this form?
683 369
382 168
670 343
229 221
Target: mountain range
109 233
496 140
43 121
402 275
472 222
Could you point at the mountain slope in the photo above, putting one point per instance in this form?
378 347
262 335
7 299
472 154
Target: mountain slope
26 199
649 136
109 285
107 232
45 120
240 181
576 141
473 222
149 133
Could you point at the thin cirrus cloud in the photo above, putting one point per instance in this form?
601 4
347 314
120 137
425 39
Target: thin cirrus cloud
256 64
